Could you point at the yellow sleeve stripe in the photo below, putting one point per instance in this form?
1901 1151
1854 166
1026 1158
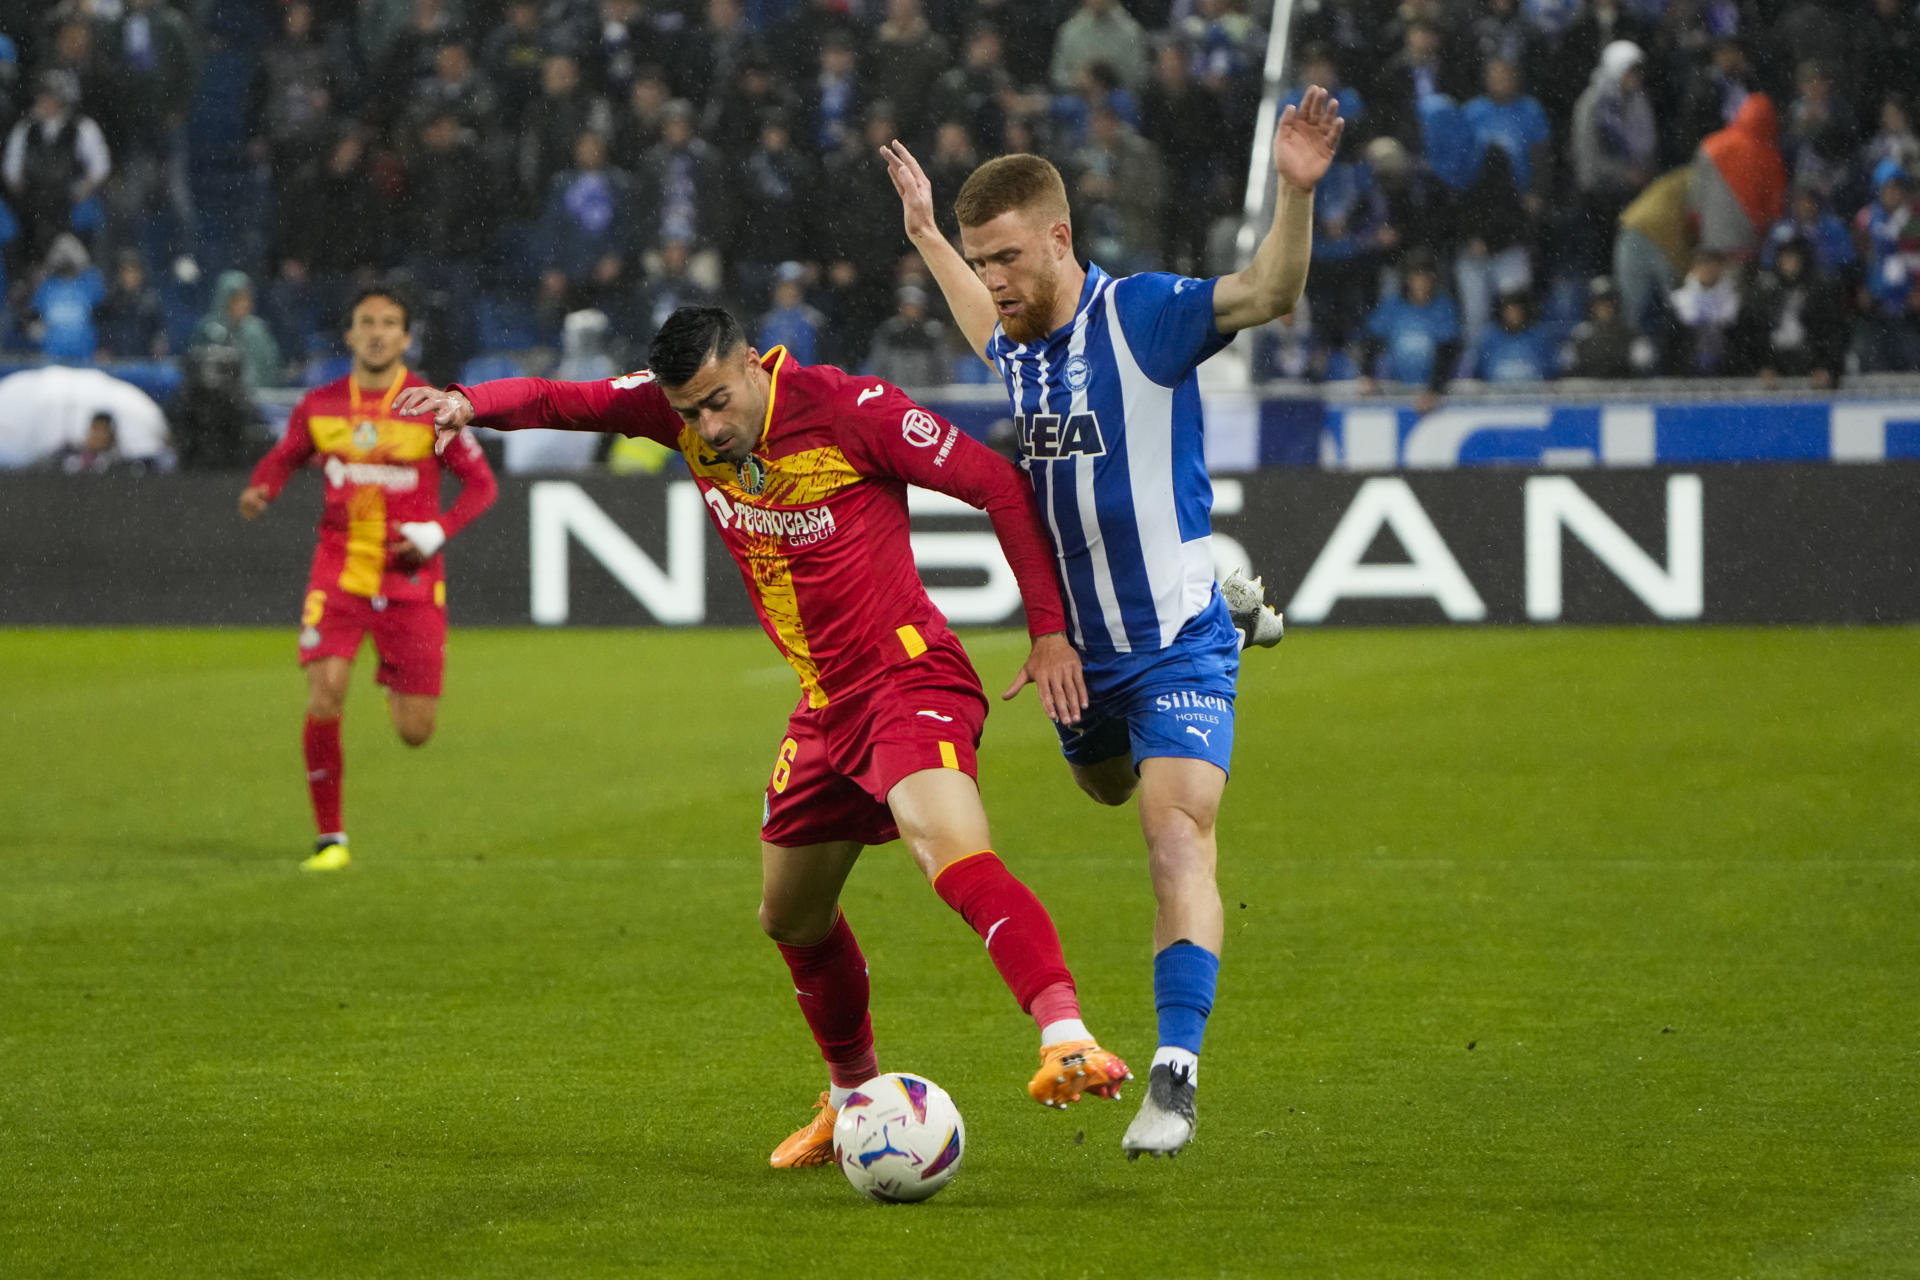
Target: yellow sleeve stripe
915 646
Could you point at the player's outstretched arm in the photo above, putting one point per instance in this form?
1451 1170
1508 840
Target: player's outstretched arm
967 298
1270 286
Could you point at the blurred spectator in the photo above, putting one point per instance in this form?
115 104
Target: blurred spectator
778 185
683 190
1706 310
1228 46
732 119
861 241
1888 230
1895 140
790 322
1500 33
833 97
512 56
456 86
1413 337
553 125
668 287
82 47
1418 72
905 60
446 219
1186 126
1712 96
1653 247
1099 31
716 53
230 323
329 224
294 91
1598 25
1518 349
1613 141
1801 324
1114 182
1419 211
1318 65
586 235
910 348
952 163
55 161
1515 122
129 319
212 414
584 336
624 40
1739 182
1098 86
97 455
1604 345
1288 348
1496 250
638 127
973 91
1886 51
1349 216
64 301
805 32
1820 135
1026 34
156 75
1809 219
409 57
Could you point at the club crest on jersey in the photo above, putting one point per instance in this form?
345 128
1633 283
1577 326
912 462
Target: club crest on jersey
1048 435
1077 373
752 473
365 435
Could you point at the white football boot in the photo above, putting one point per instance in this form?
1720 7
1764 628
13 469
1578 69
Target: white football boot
1252 616
1165 1123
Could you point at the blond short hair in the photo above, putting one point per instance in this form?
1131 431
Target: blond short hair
1027 183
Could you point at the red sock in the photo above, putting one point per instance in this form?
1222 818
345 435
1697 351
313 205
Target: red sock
322 742
1017 930
830 981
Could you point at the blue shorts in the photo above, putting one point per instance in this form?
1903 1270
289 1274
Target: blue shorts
1176 701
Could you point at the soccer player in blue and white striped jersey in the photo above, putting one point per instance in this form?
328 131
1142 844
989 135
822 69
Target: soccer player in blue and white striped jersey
1101 374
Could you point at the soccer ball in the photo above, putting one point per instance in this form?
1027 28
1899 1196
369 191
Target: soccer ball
899 1138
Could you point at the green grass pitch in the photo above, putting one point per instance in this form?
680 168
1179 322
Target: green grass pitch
1550 953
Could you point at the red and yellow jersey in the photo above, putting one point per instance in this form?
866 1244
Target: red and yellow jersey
380 472
816 516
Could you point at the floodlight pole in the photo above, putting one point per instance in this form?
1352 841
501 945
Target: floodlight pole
1258 210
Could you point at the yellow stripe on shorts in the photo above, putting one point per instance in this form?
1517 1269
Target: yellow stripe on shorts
948 756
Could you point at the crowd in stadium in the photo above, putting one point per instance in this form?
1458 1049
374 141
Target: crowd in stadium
1527 189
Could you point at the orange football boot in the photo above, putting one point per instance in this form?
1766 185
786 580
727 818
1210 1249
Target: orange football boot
1074 1067
811 1143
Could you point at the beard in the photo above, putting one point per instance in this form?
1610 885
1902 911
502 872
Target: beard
1034 321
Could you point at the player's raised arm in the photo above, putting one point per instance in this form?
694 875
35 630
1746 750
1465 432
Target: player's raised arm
967 298
1270 286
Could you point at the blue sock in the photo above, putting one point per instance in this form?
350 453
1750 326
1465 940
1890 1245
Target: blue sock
1183 981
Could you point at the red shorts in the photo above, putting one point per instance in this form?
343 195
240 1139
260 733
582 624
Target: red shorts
409 635
835 767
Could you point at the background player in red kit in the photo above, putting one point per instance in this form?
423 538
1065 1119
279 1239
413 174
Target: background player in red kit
804 470
377 567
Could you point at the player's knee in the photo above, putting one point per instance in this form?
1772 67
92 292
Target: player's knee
416 735
326 704
794 928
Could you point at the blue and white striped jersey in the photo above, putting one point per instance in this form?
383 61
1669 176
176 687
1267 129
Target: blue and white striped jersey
1108 409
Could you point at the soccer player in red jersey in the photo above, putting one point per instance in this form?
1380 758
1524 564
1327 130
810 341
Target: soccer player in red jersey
805 472
378 566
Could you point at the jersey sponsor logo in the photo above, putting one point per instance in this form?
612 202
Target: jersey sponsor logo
877 389
1077 373
1187 698
798 527
632 380
340 473
753 474
365 436
920 429
1048 435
